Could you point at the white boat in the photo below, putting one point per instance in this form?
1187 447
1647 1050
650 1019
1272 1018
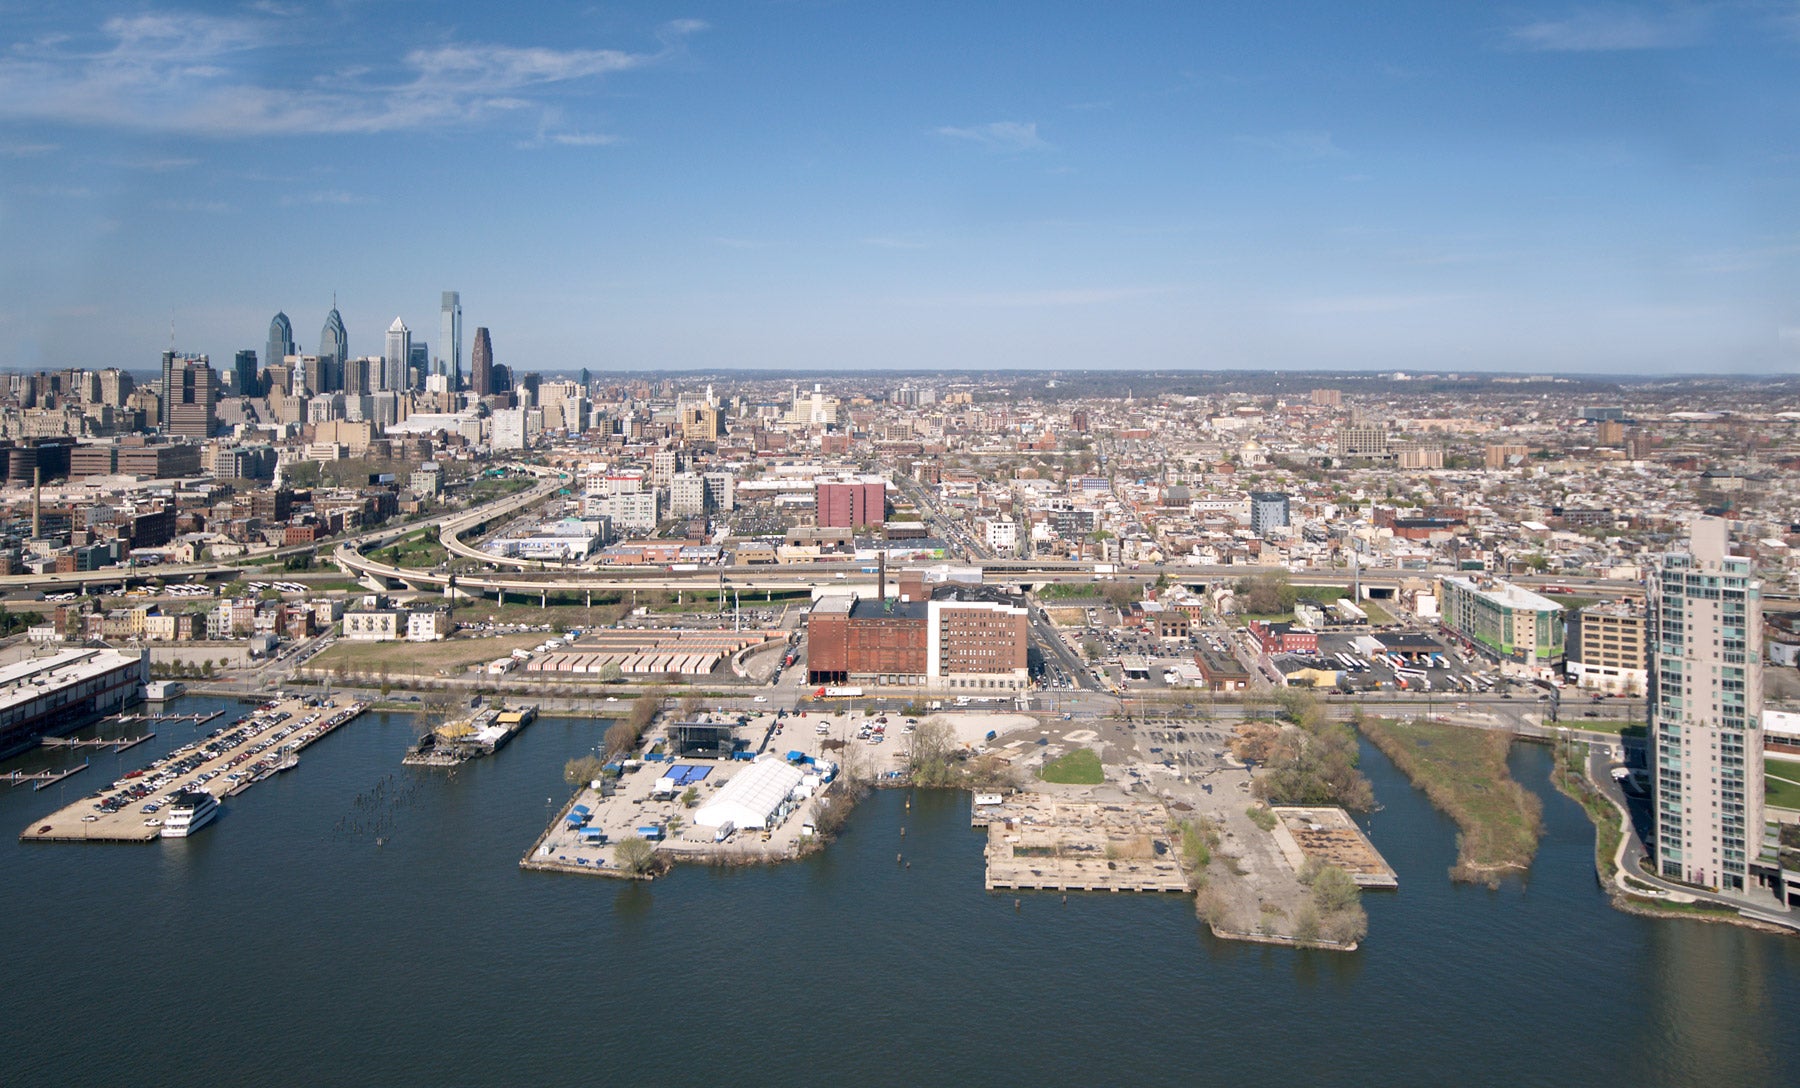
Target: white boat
188 813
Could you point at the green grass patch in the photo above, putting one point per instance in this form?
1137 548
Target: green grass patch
1602 725
1078 768
1464 773
1780 791
1570 777
415 551
1378 616
1573 604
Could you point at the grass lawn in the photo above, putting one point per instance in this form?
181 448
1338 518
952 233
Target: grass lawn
421 658
1601 725
415 551
1781 784
1078 768
1463 772
1378 616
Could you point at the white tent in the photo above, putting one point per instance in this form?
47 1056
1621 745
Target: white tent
751 797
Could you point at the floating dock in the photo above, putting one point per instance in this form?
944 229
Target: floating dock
223 764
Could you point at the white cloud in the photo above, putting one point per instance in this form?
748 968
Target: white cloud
998 135
209 207
202 75
27 151
884 242
584 139
1611 29
323 196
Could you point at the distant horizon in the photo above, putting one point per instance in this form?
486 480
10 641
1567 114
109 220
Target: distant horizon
1549 187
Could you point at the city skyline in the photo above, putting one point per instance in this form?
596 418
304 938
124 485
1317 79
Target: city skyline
1553 187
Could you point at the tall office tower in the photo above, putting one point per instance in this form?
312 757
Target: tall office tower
449 361
1706 750
281 343
418 365
334 349
356 377
168 377
243 372
481 364
115 386
193 394
397 356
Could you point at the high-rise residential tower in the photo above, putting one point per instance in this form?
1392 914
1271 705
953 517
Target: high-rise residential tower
281 340
396 357
1706 749
449 361
334 348
193 388
481 364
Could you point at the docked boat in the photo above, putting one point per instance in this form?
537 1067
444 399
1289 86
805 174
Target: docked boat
188 813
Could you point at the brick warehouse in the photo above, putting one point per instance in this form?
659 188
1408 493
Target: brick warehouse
962 638
850 503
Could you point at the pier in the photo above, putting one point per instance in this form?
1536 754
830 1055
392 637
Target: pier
43 779
223 764
158 719
117 744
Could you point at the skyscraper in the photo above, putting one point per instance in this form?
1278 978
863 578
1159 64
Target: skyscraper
193 388
481 364
243 370
449 362
334 348
1706 749
396 357
281 340
420 366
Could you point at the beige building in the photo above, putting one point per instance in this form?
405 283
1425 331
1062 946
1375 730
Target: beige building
1606 652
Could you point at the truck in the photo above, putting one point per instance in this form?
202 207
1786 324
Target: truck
1106 568
832 692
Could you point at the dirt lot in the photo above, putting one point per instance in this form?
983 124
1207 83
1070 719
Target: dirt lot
421 658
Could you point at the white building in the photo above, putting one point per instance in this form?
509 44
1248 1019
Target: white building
364 624
752 797
429 625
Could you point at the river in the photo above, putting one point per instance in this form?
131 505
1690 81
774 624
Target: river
284 946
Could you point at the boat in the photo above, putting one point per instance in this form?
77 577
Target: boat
188 813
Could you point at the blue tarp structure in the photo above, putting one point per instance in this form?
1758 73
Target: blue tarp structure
795 756
685 774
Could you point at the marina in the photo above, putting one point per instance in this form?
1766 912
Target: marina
43 779
117 744
138 806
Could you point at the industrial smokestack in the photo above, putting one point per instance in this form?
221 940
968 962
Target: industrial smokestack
37 501
881 578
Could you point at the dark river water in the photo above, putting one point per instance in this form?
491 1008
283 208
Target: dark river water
283 946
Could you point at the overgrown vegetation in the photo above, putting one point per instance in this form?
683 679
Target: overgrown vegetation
1080 767
1308 760
1261 817
625 734
1198 839
583 769
1463 771
1336 913
636 855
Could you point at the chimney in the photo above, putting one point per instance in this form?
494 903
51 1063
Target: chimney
881 579
37 501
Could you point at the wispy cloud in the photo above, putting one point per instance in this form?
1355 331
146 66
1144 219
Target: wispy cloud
1297 144
887 242
584 139
59 192
160 166
27 151
198 74
208 207
1042 298
1611 29
323 196
1370 304
998 135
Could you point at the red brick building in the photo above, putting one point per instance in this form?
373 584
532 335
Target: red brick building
848 504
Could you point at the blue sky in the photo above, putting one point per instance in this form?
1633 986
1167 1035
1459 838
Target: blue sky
1609 189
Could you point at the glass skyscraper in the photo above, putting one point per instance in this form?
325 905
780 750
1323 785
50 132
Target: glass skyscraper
334 349
449 362
281 340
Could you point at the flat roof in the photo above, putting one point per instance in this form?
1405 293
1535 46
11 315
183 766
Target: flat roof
25 680
1508 595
